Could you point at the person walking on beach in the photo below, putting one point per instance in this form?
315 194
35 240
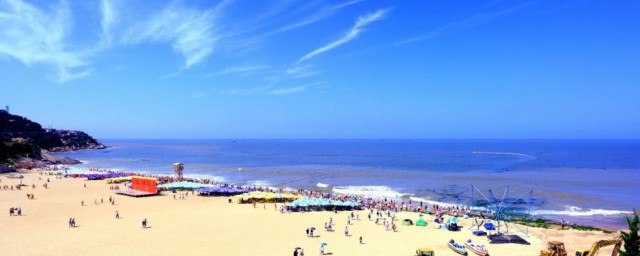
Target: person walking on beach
82 203
19 211
346 231
117 215
144 223
360 239
70 221
307 232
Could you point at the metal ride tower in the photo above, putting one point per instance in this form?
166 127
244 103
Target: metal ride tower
499 209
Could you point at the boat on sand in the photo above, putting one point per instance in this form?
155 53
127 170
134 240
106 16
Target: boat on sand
476 248
456 247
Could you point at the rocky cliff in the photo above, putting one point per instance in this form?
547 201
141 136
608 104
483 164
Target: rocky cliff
25 144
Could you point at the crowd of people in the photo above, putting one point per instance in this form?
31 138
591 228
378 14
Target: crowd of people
379 203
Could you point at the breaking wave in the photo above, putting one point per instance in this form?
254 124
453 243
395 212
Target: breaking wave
372 191
577 211
322 185
206 176
259 183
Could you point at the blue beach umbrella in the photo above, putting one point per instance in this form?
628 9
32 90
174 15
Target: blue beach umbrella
323 244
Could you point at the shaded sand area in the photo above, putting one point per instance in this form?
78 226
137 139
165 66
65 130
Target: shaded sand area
212 226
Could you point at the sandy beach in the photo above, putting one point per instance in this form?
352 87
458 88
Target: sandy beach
213 226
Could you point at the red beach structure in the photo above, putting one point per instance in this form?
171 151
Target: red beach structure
144 184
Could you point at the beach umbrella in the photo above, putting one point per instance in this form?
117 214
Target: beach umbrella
313 228
297 248
323 244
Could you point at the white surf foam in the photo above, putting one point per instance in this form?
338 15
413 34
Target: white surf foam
419 199
372 191
579 212
259 183
322 185
206 176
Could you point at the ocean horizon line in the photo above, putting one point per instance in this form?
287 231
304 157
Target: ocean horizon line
395 139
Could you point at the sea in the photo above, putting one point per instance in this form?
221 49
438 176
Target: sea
590 182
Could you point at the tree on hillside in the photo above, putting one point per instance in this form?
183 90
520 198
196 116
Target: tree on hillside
631 239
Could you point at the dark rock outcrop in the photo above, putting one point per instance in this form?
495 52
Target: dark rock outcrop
25 144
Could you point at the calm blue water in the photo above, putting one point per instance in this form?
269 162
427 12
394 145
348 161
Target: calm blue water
588 181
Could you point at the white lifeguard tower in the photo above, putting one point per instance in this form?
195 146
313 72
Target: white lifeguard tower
178 168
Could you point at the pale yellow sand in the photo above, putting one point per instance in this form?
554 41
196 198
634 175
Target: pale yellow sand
211 226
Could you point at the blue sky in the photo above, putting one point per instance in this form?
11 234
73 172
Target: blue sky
324 69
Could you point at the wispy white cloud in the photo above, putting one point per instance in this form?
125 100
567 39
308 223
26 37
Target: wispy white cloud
241 70
270 89
290 73
190 31
33 36
246 91
295 89
108 9
301 71
467 23
353 33
321 14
